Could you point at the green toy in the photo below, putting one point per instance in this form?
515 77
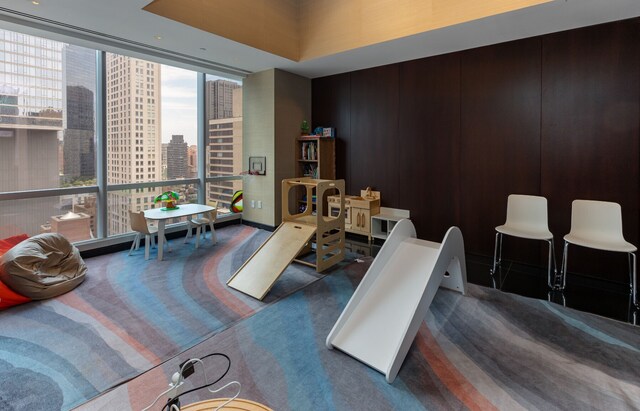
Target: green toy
304 127
171 197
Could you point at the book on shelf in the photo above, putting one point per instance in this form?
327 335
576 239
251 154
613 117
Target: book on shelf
309 151
310 170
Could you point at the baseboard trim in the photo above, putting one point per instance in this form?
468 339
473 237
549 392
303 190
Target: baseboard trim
259 225
125 245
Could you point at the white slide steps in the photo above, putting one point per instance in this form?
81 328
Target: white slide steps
382 317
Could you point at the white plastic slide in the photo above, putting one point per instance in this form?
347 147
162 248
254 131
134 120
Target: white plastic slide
382 317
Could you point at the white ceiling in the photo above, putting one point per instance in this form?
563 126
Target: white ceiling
124 22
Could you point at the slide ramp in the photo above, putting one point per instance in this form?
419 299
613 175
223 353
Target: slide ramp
258 274
382 317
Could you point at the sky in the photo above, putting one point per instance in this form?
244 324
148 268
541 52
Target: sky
179 105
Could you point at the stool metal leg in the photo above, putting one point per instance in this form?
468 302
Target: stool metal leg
500 250
563 271
497 257
632 273
552 254
551 297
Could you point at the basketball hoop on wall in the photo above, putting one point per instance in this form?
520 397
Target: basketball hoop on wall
257 166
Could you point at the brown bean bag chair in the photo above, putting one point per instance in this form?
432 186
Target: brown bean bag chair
43 266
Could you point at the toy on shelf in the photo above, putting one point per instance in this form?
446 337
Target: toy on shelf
236 202
304 127
171 198
325 132
294 237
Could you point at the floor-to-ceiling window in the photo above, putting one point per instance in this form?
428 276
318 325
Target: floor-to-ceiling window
49 143
47 135
151 122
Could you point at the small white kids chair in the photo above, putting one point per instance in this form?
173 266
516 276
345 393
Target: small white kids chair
200 223
140 226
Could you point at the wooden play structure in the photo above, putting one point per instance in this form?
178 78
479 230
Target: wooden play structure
294 238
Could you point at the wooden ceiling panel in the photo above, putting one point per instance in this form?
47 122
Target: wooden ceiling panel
307 29
269 25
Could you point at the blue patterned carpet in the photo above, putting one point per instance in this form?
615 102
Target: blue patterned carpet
127 317
484 351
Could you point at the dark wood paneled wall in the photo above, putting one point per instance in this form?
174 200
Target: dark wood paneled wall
450 137
500 127
374 118
427 179
590 103
333 106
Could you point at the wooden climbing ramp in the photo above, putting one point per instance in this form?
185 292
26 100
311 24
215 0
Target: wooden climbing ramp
295 237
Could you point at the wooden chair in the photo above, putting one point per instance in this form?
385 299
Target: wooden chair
140 226
200 224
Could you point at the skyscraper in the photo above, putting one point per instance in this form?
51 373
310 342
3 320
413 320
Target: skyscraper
31 123
225 152
193 161
164 147
219 98
31 110
133 135
177 161
79 97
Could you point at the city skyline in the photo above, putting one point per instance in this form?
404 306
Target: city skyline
179 88
48 110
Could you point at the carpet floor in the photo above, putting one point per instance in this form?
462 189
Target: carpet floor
127 317
483 351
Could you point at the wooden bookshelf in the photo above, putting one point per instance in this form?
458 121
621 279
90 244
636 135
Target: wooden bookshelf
315 158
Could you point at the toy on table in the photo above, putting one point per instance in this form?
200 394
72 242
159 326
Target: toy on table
171 198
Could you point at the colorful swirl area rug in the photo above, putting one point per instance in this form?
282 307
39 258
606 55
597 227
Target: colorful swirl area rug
487 350
129 316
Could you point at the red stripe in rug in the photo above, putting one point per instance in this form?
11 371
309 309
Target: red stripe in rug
72 300
143 389
220 290
448 374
